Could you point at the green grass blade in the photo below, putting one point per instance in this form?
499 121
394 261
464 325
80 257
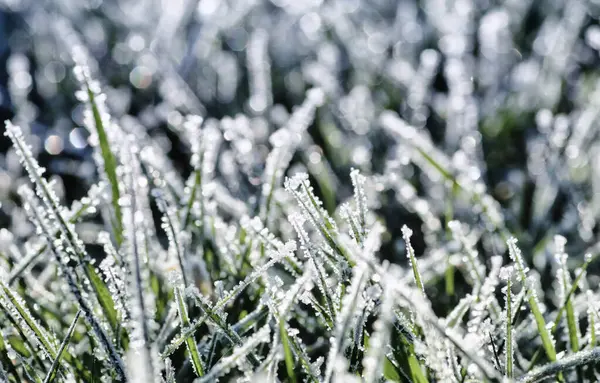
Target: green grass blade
289 356
225 364
189 341
16 306
564 278
69 271
52 373
406 234
516 256
416 370
588 259
541 326
105 298
110 164
86 206
56 212
572 325
389 371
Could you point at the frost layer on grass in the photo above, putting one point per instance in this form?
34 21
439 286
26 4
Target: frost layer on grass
299 191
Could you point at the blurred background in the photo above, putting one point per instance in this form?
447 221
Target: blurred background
507 90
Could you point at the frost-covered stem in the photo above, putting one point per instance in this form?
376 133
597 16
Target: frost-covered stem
174 345
297 220
138 280
378 343
286 334
568 362
424 313
509 330
481 363
76 214
430 157
344 320
173 233
169 371
100 119
80 296
285 142
258 272
565 285
517 257
299 187
55 210
190 342
14 305
197 184
358 182
347 214
168 328
592 313
63 345
561 311
472 255
458 312
177 246
485 301
217 319
115 358
588 260
225 364
410 252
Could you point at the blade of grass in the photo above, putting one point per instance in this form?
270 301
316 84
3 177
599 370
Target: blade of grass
289 356
581 358
51 374
190 342
72 280
225 364
15 305
410 252
56 212
515 254
27 261
110 162
588 259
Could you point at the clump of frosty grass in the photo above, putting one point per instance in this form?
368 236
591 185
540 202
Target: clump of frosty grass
300 191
